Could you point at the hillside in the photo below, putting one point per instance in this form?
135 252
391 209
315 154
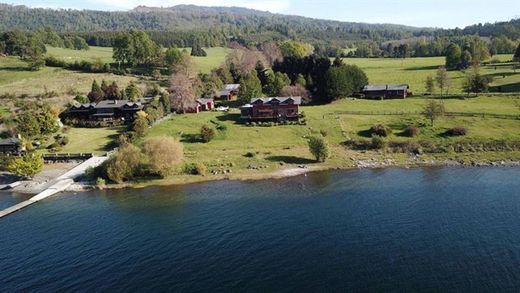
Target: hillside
232 21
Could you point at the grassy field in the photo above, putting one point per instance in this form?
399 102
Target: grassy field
16 79
414 71
216 57
95 53
278 147
91 140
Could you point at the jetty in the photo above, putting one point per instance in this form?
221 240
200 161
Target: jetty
57 185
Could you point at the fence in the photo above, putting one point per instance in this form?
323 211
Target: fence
60 158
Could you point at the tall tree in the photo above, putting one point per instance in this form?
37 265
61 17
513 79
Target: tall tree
430 84
250 87
516 56
96 94
442 79
433 110
453 54
343 81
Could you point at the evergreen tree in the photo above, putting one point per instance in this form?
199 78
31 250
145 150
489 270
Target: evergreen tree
196 50
453 55
96 94
516 56
250 87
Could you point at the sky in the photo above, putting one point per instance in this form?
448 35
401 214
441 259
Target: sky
421 13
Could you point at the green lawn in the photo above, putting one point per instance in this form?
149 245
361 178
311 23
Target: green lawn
288 144
96 140
95 53
16 79
414 71
216 57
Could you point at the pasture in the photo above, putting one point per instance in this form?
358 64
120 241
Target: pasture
414 71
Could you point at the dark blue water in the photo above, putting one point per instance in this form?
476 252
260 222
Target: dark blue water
383 230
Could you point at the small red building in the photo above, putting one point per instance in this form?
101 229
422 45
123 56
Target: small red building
278 108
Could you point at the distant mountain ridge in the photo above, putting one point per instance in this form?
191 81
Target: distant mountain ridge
185 17
249 24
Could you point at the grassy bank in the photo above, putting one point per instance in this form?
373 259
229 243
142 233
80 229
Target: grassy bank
243 152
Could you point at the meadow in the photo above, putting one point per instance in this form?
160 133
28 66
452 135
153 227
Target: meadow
414 71
17 79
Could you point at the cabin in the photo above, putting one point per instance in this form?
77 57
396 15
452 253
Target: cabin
388 91
229 92
11 146
276 108
106 111
206 104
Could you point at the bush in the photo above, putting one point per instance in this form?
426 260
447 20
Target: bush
324 133
163 153
28 165
411 131
207 133
195 169
380 130
125 164
100 182
319 148
456 131
378 142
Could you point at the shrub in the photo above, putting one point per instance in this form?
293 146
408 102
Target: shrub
195 169
28 165
125 164
380 130
324 132
378 142
456 131
319 148
207 133
163 153
411 131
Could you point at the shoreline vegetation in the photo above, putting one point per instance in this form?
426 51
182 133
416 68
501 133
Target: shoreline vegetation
378 161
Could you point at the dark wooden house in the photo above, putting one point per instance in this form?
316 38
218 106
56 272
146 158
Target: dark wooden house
388 91
106 111
229 92
266 109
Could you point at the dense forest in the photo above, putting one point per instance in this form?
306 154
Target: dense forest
183 22
189 26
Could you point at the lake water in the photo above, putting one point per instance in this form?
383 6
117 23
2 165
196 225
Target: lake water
437 229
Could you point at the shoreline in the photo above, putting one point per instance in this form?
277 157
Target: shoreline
293 172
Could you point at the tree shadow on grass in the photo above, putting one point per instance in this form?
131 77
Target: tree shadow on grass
14 68
365 133
112 144
290 160
415 68
191 138
234 117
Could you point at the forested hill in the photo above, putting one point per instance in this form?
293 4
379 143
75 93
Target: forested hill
230 20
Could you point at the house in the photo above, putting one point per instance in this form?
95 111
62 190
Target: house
277 108
229 92
106 111
206 104
389 91
12 145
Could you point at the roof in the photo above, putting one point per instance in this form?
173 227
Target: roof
204 101
281 100
10 141
116 104
227 89
384 87
108 104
